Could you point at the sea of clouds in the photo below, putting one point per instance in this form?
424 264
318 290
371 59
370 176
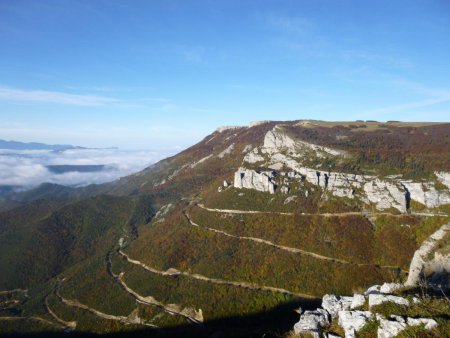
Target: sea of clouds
26 169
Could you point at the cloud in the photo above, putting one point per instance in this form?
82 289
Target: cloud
45 96
290 24
297 35
28 168
410 105
432 96
193 54
420 88
376 58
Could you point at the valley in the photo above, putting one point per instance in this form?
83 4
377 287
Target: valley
238 227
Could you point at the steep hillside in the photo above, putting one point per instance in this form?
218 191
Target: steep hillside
37 243
249 221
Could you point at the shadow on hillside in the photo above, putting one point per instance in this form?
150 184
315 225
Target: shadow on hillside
274 323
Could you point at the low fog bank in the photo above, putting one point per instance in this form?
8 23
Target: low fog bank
25 169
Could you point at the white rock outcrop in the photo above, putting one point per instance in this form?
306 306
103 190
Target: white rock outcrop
162 212
225 128
421 260
357 301
443 177
277 140
426 194
427 322
353 321
333 304
247 148
385 195
276 166
388 288
284 189
193 165
257 123
251 179
312 322
281 150
253 156
375 299
374 289
390 328
226 151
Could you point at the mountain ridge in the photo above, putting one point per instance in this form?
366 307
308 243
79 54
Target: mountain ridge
16 145
187 215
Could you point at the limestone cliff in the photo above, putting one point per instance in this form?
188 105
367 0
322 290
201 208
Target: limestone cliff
250 179
279 150
427 260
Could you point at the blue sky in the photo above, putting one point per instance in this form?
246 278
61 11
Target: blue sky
165 73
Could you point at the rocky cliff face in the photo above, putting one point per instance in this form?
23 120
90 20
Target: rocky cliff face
279 151
276 140
427 260
250 179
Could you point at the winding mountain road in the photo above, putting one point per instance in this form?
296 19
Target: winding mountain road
245 285
173 309
287 248
75 303
7 292
35 318
263 241
69 326
338 214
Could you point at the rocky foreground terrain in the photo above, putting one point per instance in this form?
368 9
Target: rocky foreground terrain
382 311
377 312
233 235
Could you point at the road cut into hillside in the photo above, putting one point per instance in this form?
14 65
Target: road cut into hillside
245 285
33 318
67 325
75 303
286 248
8 292
325 214
173 309
263 241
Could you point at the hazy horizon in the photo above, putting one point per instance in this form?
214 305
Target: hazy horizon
25 169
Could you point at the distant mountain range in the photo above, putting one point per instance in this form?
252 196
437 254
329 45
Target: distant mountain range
15 145
66 168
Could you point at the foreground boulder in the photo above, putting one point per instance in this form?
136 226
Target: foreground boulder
391 327
345 311
312 322
353 321
380 299
333 304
